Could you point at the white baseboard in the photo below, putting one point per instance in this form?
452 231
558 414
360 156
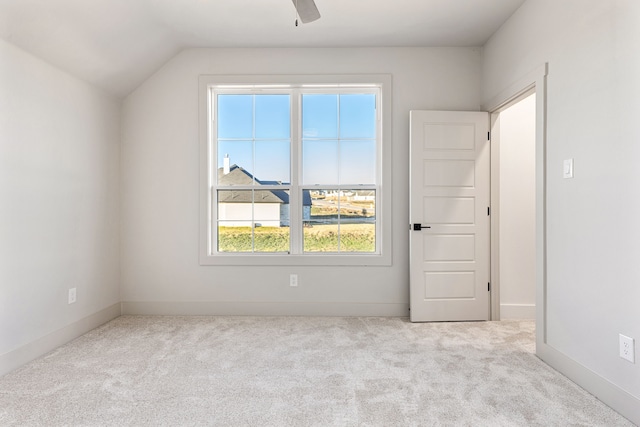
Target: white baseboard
619 400
234 308
518 311
28 352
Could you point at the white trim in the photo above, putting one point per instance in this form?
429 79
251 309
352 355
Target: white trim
534 81
515 90
494 126
529 89
384 223
260 308
618 399
517 311
41 346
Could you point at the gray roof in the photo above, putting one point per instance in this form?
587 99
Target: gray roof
239 176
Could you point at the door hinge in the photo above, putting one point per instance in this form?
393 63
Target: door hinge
489 287
488 136
488 210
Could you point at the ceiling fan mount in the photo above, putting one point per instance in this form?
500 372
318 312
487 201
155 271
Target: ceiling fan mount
306 10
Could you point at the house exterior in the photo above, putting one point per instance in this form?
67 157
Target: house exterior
260 208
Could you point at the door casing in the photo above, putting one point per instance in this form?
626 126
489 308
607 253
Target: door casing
536 82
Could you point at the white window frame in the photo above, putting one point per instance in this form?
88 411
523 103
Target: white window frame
381 83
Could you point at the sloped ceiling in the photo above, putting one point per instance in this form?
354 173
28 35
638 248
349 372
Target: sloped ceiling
117 44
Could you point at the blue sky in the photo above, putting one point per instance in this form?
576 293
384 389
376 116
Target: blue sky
338 136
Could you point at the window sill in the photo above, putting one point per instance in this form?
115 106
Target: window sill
295 260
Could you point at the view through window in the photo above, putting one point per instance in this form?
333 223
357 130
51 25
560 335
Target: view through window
297 170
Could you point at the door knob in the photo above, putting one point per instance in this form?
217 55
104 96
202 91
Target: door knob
418 227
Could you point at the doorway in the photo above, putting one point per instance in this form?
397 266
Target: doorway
532 83
514 141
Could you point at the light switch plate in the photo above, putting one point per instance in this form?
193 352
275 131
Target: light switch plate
567 168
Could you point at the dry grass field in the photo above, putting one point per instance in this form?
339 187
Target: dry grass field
317 238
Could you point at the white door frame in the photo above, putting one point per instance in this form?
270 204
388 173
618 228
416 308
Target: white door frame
495 198
533 82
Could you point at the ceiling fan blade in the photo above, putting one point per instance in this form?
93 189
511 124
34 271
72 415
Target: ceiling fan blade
307 10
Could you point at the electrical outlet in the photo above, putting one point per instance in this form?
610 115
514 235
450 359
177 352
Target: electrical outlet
293 280
72 295
627 349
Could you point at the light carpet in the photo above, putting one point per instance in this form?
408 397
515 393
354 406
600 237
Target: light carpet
297 371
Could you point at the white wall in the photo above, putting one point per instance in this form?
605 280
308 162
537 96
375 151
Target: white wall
59 157
517 210
241 214
160 270
593 93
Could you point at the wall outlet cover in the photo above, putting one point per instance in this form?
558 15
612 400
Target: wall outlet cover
627 348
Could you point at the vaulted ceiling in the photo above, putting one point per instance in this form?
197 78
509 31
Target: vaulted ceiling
117 44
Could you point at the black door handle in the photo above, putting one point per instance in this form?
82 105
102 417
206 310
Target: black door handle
418 227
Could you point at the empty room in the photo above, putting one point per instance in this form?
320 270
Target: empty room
319 213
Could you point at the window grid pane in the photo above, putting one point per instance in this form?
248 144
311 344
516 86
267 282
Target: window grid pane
340 221
253 136
349 158
253 220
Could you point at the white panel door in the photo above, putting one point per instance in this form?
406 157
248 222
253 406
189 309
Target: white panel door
450 190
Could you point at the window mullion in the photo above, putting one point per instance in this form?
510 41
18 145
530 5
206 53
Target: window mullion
212 208
379 194
295 195
339 166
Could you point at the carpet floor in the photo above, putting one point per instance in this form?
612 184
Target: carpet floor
297 371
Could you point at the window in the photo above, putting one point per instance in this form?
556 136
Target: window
294 173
